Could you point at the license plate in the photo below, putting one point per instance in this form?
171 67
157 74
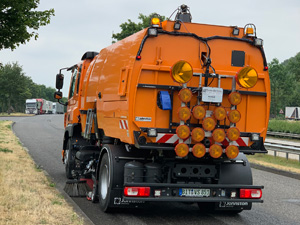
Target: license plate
192 192
210 94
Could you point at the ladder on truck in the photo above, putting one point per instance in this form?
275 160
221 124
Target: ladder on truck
89 123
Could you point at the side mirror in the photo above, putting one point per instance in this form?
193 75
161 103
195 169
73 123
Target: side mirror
58 95
59 81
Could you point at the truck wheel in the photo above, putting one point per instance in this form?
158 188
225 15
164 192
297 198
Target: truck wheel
69 160
105 181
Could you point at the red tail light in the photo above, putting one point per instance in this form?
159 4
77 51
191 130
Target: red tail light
137 191
250 193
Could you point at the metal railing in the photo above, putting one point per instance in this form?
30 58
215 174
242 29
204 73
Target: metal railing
285 148
280 134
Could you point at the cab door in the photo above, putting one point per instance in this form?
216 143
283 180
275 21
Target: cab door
72 114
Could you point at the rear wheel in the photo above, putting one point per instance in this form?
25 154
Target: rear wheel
105 182
69 159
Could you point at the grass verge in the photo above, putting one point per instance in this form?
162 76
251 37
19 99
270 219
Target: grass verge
286 126
27 196
15 114
275 162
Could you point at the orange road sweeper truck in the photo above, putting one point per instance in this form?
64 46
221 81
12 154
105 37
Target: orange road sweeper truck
168 115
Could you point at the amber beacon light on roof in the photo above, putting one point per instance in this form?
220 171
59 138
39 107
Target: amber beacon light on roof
168 114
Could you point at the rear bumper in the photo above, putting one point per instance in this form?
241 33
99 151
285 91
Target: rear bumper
170 192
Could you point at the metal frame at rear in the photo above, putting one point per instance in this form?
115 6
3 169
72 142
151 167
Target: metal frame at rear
170 187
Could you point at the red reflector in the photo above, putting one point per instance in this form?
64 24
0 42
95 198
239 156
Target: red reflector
266 68
137 191
250 193
138 57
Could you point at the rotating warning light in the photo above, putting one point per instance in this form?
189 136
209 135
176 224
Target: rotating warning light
182 72
155 22
247 77
234 116
183 131
199 150
209 124
182 150
218 135
198 134
215 151
220 113
185 95
199 112
235 98
233 134
184 113
232 151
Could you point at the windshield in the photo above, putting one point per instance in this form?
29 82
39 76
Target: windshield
30 105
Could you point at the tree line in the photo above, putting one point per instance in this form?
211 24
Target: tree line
285 84
16 87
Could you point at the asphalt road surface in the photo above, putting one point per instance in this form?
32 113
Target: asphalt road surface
43 135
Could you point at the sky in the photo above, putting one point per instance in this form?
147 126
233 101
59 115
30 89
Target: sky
79 26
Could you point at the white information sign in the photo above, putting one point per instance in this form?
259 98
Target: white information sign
210 94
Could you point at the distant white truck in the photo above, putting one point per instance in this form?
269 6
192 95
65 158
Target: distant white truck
32 106
292 113
57 108
38 106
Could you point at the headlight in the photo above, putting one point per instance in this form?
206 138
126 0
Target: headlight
247 77
182 72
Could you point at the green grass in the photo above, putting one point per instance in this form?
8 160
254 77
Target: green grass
286 126
276 160
5 150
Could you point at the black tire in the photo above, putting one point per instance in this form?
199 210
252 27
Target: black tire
105 183
69 160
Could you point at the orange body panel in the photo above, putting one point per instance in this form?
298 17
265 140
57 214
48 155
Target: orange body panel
111 82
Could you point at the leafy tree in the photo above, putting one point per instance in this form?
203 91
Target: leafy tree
285 83
15 88
16 17
129 28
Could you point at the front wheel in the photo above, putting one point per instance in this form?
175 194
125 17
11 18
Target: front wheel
105 181
69 160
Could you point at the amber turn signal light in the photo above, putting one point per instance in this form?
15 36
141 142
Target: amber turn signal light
215 151
182 72
233 133
234 116
199 150
183 131
182 150
199 112
184 113
185 95
218 135
220 113
198 134
232 151
235 98
209 124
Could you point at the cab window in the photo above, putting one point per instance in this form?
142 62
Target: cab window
74 76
